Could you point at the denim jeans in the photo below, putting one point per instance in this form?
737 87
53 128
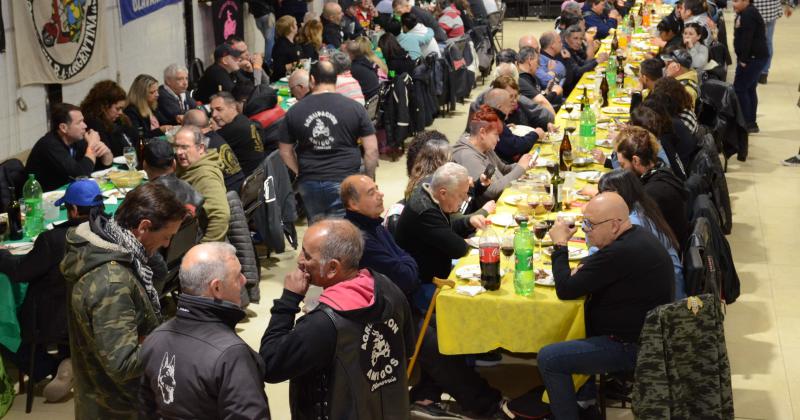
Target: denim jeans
770 34
745 83
266 24
321 199
557 362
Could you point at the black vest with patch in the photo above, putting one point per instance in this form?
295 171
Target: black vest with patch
367 376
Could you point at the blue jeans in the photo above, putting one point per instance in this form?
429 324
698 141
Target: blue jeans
557 362
266 24
321 199
770 33
745 83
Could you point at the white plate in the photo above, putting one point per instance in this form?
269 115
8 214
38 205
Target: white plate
614 110
604 143
502 219
622 100
547 281
472 272
589 176
575 254
543 162
473 241
521 130
513 199
602 126
120 160
19 248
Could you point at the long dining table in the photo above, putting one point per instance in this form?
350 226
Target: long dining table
477 324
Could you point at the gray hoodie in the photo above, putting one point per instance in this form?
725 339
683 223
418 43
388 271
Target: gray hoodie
466 155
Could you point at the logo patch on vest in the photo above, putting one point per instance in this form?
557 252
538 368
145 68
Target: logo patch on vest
381 351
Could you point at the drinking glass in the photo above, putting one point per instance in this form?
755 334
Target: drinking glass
130 157
533 202
539 231
507 248
547 202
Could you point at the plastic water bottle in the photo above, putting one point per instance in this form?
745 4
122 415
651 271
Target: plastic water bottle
523 266
588 124
34 214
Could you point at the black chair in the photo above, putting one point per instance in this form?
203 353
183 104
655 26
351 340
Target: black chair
615 386
188 235
252 192
372 107
12 174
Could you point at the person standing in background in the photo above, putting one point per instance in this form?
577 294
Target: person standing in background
771 11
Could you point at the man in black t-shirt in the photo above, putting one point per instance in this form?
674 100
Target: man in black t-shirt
320 143
68 151
241 134
630 274
231 169
221 76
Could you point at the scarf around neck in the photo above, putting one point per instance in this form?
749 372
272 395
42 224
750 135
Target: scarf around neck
125 239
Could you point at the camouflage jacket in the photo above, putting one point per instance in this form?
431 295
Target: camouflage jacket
109 315
682 369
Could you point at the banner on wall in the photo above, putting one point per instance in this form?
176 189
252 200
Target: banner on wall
227 19
58 41
134 9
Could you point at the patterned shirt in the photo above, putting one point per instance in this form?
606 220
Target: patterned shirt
770 10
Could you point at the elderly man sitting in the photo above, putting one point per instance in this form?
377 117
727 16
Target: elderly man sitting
550 69
431 228
298 84
451 374
173 100
629 275
527 66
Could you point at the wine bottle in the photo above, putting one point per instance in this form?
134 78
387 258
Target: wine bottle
604 90
565 153
14 217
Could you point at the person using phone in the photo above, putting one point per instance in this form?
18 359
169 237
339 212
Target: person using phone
475 151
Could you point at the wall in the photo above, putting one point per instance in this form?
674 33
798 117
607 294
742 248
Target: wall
146 45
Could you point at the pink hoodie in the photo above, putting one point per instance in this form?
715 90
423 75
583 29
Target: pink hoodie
356 293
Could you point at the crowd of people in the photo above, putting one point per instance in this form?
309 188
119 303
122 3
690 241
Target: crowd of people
347 356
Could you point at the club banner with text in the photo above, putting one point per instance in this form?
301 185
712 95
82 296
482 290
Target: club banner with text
134 9
58 41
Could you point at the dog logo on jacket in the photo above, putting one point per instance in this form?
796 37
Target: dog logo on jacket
166 378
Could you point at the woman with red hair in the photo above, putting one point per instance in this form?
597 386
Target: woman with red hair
475 151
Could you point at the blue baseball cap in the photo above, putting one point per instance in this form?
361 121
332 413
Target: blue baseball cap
83 192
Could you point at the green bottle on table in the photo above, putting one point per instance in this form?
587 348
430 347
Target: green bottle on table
588 124
523 266
611 74
34 214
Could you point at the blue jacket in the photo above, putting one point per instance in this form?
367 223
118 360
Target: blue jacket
413 42
382 254
543 75
602 23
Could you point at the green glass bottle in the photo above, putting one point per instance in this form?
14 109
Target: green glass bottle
523 267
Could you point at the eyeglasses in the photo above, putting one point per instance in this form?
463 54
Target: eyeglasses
588 226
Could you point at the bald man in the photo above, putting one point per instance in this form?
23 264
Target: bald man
298 84
195 366
331 18
363 202
356 341
629 275
529 41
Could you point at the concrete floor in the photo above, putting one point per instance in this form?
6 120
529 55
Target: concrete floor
761 328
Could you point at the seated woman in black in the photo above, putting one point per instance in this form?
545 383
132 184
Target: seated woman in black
286 52
142 102
310 39
102 111
397 59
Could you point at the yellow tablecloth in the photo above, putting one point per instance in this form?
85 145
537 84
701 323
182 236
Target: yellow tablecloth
470 325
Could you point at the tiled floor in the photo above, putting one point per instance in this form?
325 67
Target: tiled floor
762 330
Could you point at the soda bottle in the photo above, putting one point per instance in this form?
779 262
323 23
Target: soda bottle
565 153
14 217
604 91
588 124
611 75
34 214
523 267
489 251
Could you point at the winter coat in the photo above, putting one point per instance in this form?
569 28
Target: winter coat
195 366
109 313
239 236
205 176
